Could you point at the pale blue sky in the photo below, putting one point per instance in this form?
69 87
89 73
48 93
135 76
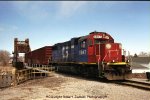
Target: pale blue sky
47 23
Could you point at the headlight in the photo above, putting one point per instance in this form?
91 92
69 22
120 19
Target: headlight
113 61
120 46
108 46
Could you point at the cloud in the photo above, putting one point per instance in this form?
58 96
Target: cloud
8 28
40 10
14 27
69 8
31 10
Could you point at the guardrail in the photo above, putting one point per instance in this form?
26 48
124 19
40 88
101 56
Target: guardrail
10 78
23 75
33 72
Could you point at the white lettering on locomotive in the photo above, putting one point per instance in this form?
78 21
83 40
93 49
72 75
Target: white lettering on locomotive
72 46
82 52
97 36
106 37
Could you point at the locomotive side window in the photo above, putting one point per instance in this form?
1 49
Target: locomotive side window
89 42
83 44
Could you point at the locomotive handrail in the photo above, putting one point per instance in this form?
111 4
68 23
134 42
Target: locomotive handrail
130 59
104 57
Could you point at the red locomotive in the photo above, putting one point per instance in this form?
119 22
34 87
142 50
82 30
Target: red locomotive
95 54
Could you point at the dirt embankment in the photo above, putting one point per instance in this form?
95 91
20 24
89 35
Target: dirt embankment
139 75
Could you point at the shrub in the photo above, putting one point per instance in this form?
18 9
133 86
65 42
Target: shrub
4 57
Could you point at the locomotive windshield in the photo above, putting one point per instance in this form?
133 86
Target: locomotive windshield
98 41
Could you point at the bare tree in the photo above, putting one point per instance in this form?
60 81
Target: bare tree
149 54
144 54
4 57
135 55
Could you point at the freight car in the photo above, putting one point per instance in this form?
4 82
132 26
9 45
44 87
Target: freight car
95 54
39 56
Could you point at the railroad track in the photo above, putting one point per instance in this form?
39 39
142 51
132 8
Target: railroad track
132 83
136 84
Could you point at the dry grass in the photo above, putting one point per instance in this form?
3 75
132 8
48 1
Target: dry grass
6 68
139 75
